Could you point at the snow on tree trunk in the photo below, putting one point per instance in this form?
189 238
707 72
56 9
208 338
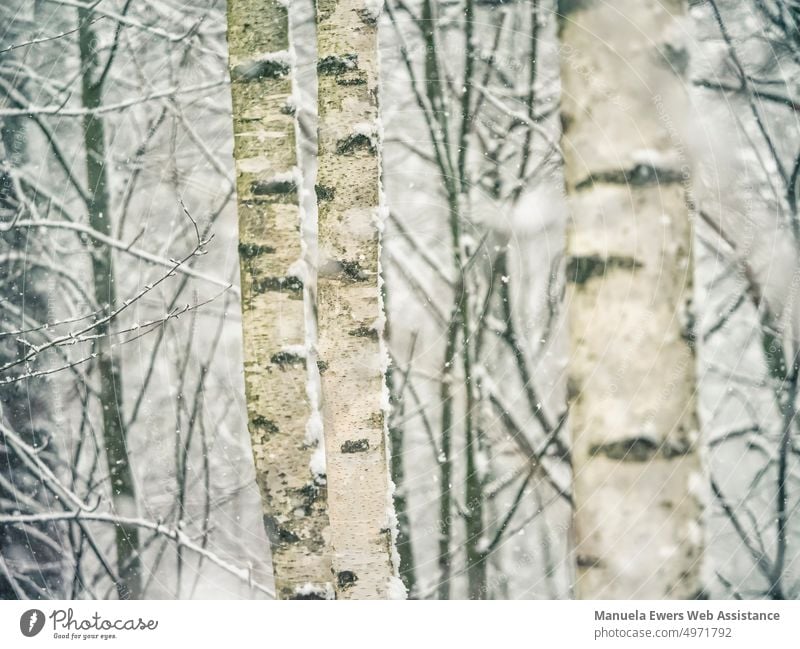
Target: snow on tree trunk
351 318
637 521
270 252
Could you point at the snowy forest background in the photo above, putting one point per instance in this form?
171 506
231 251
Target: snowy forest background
125 462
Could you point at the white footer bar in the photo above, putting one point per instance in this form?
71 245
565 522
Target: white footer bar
386 625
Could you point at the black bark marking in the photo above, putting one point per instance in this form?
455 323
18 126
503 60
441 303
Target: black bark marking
287 358
346 578
588 561
566 120
310 494
335 65
287 536
324 193
262 423
278 284
580 269
250 250
355 142
322 366
566 7
640 175
353 270
277 534
633 449
689 324
677 58
573 388
355 79
256 70
367 17
641 449
364 332
355 446
310 593
272 187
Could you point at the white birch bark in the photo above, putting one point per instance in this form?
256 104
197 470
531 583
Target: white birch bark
632 376
270 250
351 353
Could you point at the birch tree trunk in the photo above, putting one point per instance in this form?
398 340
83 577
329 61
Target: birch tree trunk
271 252
632 380
351 318
123 486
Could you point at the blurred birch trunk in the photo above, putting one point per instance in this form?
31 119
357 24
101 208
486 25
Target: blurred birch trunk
351 318
632 379
271 253
123 485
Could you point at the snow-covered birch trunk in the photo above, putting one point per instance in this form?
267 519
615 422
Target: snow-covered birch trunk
350 308
271 252
632 377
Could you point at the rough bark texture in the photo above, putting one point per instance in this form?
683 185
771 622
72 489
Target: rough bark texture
632 381
270 250
350 309
123 486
